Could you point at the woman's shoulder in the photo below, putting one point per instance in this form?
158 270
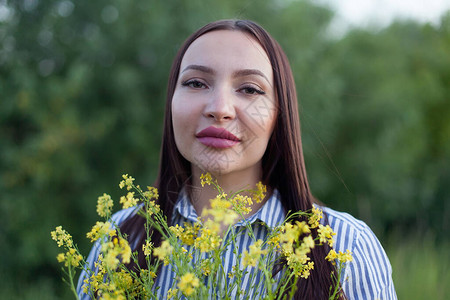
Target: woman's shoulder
352 233
369 275
349 230
337 218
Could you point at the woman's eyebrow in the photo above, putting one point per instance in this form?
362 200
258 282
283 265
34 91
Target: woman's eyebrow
199 68
238 73
247 72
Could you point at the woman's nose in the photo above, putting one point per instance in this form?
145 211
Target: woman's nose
220 106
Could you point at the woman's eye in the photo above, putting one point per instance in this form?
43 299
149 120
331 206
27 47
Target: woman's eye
194 84
252 90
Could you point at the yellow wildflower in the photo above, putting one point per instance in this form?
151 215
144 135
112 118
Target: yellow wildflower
297 260
297 253
166 261
151 208
124 280
316 216
111 260
188 283
171 293
252 257
114 250
99 263
100 229
61 257
75 258
151 193
71 257
127 181
220 211
331 256
93 283
242 204
205 179
291 233
306 270
211 226
129 200
209 238
274 237
104 205
302 227
308 242
187 234
287 248
344 257
110 292
147 248
62 238
220 202
274 240
326 234
299 256
206 266
86 286
163 251
177 229
260 193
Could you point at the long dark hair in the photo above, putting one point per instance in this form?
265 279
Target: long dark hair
283 163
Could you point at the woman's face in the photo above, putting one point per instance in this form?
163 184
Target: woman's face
223 107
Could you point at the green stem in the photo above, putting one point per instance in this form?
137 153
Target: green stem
72 286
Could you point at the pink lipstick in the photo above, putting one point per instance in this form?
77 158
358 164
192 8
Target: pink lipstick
217 137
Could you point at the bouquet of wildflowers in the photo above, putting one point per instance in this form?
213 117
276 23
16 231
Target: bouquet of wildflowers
195 250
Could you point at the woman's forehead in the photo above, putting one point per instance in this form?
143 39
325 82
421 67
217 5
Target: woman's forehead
227 49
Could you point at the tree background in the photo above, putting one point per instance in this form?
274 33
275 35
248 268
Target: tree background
82 92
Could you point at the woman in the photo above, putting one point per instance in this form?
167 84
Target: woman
232 111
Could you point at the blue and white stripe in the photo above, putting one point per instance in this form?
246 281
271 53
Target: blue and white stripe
368 276
271 214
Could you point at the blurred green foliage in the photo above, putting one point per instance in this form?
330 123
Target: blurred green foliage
82 87
420 268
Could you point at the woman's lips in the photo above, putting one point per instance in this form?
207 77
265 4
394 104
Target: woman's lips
217 142
217 137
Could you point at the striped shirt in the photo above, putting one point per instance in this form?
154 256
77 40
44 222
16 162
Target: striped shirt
368 276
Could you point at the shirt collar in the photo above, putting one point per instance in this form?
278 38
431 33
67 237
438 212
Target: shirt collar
184 207
271 213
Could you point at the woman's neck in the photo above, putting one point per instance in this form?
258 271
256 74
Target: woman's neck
230 183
